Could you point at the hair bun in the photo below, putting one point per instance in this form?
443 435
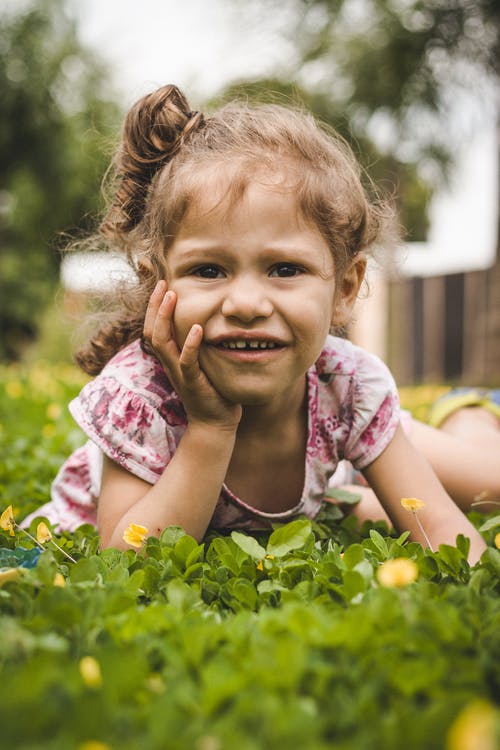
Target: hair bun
153 131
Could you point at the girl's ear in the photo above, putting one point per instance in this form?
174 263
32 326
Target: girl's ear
348 291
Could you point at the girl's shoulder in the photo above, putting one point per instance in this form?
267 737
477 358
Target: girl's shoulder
340 359
132 413
137 371
132 383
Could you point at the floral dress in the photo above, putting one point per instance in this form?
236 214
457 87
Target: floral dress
131 413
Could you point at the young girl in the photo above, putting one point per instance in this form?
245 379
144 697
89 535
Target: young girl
220 399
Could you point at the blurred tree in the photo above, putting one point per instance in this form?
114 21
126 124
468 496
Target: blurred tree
57 110
396 177
394 76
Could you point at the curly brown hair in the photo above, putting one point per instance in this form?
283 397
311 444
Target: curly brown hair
166 156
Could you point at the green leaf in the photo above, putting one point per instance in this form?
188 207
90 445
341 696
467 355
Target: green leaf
343 496
491 523
249 545
292 536
354 584
451 556
491 560
379 542
353 555
171 535
87 569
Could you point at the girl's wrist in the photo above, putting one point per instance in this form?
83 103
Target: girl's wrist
213 432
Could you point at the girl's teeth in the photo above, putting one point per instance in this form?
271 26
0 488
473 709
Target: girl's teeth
241 344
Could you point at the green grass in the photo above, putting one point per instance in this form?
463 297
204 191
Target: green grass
287 640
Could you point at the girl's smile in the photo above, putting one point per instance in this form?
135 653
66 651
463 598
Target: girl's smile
260 281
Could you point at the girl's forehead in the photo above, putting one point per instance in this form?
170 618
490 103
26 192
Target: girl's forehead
219 194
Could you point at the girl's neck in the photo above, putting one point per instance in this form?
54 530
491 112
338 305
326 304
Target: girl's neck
267 467
273 416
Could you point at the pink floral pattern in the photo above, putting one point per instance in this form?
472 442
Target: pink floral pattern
131 413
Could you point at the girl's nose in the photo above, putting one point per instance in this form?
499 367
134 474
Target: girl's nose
246 299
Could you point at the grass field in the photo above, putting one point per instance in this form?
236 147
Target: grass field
306 638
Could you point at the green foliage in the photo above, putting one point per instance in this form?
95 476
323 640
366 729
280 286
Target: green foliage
387 75
56 114
282 639
386 171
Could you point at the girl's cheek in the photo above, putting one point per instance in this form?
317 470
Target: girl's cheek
182 322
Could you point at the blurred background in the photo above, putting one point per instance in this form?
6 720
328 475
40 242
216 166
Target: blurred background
412 85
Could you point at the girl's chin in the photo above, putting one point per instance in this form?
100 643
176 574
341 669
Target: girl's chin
245 397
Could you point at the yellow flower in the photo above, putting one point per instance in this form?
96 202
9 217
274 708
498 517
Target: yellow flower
155 684
90 671
135 535
14 389
497 540
474 728
260 565
412 503
54 411
7 522
49 430
9 574
43 533
397 573
59 580
93 745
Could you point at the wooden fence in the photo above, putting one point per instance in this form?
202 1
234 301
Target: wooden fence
445 328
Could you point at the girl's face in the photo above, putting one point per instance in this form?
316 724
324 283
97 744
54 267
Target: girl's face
261 282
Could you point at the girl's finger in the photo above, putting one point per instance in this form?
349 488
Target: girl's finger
188 360
152 309
162 330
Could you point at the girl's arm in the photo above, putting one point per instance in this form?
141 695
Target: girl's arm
401 471
188 490
185 495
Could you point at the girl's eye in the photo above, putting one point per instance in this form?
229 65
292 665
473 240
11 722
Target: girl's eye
208 272
286 270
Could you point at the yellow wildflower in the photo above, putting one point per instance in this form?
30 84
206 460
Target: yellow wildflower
43 533
155 684
93 745
49 430
54 411
90 671
135 535
474 728
412 503
397 573
8 574
59 580
7 522
497 540
260 565
14 389
208 742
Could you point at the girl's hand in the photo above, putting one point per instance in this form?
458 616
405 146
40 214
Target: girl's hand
203 404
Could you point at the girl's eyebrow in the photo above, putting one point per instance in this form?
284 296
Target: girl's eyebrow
189 249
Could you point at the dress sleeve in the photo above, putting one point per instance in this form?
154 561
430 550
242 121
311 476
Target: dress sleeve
128 427
375 411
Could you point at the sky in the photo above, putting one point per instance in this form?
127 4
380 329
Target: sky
202 44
